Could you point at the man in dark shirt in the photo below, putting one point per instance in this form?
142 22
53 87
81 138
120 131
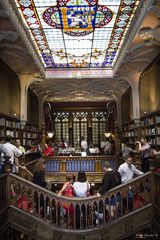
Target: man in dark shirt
109 180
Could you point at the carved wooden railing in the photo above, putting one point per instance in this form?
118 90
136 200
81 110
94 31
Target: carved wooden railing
79 213
157 189
3 191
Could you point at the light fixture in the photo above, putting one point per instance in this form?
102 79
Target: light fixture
50 134
49 121
107 134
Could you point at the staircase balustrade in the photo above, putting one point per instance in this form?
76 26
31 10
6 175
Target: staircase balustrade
81 213
3 192
157 189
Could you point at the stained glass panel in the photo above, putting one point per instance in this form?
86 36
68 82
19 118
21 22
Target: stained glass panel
77 33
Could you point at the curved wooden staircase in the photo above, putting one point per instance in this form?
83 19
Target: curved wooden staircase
38 213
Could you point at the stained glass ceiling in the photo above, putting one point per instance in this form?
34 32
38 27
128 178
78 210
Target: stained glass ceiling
77 33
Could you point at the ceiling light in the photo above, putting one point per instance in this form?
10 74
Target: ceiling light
50 134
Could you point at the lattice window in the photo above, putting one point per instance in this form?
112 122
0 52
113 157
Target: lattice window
79 127
98 126
95 131
58 130
76 134
61 125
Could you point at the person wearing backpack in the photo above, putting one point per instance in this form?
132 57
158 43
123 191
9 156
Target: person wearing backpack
110 180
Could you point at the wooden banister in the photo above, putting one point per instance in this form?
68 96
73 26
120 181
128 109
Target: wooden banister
81 213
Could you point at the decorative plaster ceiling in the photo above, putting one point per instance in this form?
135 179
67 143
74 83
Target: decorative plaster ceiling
80 90
56 84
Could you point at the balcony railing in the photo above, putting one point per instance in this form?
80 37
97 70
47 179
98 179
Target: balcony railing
81 213
3 192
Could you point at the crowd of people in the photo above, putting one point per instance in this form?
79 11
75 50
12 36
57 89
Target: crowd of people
143 147
80 187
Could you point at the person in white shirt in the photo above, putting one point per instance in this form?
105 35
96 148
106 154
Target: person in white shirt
127 171
84 145
108 147
145 149
4 155
81 188
15 153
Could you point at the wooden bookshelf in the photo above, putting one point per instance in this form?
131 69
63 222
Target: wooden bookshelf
149 126
11 126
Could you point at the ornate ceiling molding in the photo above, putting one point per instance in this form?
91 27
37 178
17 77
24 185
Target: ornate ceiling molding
4 14
79 74
8 35
143 8
14 17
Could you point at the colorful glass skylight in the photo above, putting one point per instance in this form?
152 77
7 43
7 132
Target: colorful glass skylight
77 33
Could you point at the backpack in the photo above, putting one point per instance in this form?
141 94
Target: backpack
118 180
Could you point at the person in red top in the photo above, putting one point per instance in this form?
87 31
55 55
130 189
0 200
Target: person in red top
67 188
63 146
68 191
48 151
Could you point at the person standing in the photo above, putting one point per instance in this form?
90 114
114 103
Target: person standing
110 180
4 155
145 150
39 179
68 191
19 146
81 188
84 145
108 147
39 173
48 151
127 171
15 153
62 145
